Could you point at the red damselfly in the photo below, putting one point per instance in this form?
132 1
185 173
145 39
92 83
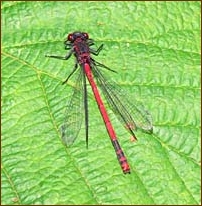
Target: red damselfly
132 116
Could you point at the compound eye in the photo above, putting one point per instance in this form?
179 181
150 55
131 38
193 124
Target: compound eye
86 35
70 37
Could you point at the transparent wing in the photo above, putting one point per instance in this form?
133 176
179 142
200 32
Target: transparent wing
131 114
74 112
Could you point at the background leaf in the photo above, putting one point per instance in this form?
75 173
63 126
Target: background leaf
155 48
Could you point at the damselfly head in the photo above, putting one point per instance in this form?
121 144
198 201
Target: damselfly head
75 35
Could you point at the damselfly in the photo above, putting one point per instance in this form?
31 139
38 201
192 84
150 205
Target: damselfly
131 115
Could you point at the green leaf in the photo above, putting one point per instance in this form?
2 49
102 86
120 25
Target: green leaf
155 48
